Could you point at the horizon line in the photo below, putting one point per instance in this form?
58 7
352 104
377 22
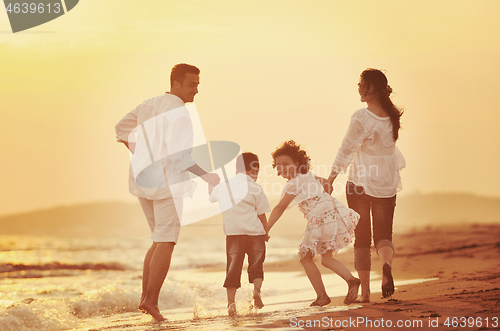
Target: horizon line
132 201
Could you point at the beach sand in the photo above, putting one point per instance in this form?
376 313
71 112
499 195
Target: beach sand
464 263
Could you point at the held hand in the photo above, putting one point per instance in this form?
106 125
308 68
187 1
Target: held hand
328 187
328 184
267 237
210 189
212 179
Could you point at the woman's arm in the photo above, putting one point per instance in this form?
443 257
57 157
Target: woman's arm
279 210
353 139
332 177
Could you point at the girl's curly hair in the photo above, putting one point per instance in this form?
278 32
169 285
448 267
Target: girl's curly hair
292 149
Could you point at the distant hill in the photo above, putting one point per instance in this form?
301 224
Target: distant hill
104 218
118 219
420 210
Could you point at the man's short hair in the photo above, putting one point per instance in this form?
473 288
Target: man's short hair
180 70
246 162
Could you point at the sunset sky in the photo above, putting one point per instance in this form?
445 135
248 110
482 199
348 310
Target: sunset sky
270 71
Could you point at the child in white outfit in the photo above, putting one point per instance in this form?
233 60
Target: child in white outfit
330 225
243 205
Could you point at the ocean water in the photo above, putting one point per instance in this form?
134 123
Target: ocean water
94 284
49 283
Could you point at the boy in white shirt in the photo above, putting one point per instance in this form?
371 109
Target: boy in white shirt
243 205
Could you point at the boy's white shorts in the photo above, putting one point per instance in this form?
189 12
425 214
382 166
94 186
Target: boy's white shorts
163 217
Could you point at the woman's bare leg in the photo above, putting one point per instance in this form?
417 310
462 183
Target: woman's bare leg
386 254
364 277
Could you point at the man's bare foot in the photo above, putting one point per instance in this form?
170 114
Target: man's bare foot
231 309
154 311
140 307
352 292
257 300
320 302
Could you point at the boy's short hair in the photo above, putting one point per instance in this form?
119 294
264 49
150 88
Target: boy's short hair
246 162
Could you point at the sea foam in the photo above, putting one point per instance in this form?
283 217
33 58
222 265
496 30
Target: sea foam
29 315
105 301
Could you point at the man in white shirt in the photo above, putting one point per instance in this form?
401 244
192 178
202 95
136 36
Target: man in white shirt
159 134
244 206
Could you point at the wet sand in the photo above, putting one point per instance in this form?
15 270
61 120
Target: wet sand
464 262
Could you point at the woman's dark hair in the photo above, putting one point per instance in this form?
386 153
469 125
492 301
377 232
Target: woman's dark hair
377 79
292 149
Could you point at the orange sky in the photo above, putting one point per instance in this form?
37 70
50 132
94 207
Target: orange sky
270 71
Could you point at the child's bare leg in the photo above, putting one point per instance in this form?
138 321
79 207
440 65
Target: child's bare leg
314 276
257 300
340 269
362 263
231 305
336 266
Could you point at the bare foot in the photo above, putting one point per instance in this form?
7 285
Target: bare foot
231 309
154 311
365 297
352 292
362 300
257 301
320 302
140 307
387 281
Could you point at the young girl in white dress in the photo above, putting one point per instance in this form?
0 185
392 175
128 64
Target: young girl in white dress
330 225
